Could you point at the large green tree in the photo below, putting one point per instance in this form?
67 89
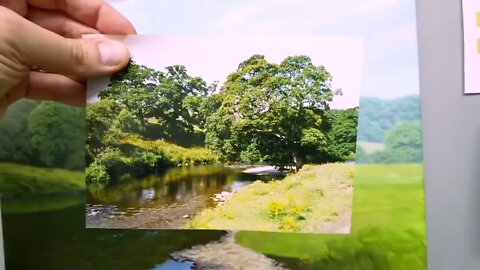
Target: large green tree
343 136
403 144
271 112
168 104
57 134
107 122
14 136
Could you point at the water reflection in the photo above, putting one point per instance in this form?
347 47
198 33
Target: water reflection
58 240
164 200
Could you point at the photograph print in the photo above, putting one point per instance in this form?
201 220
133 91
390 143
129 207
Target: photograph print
251 133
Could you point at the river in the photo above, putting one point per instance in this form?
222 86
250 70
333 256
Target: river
49 232
164 201
57 239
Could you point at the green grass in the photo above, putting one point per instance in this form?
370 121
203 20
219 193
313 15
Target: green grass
174 153
41 203
388 226
302 202
371 147
19 180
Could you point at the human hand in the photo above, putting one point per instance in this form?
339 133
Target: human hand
47 34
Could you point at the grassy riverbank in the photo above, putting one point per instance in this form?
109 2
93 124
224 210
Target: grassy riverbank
20 180
388 226
135 156
312 200
172 153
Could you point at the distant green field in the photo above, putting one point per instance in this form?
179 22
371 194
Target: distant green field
23 181
371 147
388 226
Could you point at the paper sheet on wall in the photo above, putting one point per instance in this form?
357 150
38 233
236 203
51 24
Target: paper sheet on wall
471 30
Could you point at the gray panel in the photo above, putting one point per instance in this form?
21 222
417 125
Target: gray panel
451 127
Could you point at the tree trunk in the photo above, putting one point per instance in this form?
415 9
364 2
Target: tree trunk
298 160
142 119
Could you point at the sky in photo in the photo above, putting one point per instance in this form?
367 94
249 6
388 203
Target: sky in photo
386 29
214 57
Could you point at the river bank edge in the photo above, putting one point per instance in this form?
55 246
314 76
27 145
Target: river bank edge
319 194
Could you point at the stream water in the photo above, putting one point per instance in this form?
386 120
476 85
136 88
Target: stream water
163 201
57 239
49 232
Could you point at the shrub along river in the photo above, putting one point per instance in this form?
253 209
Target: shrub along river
164 201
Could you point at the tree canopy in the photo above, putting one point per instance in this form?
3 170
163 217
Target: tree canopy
169 105
144 119
57 135
272 113
379 115
403 144
14 136
44 134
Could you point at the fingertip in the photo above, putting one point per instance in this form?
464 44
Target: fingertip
94 56
113 53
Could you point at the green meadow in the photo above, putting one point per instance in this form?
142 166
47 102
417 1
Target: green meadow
21 180
388 226
26 189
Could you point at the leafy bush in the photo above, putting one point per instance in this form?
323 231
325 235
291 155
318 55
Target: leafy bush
136 156
96 173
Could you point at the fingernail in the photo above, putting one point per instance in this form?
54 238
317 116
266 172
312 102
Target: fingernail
112 52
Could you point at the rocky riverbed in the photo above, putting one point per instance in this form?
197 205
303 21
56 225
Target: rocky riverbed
225 254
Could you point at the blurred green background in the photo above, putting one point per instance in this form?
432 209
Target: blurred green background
43 191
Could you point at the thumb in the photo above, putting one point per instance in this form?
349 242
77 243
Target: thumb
39 47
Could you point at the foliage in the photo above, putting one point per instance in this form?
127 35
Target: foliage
43 134
273 113
264 113
14 135
21 180
404 141
135 155
97 173
299 203
342 138
145 121
57 131
403 144
177 155
379 115
168 105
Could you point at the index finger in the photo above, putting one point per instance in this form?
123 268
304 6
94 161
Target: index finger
94 13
